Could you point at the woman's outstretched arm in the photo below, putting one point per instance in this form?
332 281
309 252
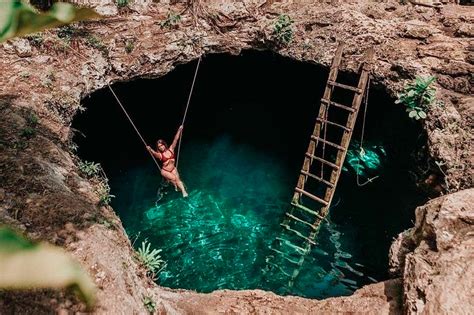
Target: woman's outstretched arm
176 138
155 154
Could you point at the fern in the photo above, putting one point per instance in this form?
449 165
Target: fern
150 258
89 169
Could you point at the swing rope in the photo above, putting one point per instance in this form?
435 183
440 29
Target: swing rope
120 104
133 125
186 110
130 119
361 149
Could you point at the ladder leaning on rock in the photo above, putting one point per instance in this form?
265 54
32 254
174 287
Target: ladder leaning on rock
310 204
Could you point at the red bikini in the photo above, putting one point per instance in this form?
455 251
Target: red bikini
164 159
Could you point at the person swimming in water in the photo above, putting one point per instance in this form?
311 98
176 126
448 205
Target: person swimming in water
167 157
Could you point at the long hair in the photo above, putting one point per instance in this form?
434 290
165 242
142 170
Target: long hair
161 141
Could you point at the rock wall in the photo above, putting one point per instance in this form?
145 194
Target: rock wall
44 194
435 257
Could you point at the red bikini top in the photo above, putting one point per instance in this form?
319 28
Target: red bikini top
164 159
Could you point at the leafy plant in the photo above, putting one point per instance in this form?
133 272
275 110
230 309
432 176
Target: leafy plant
89 169
18 18
28 132
418 96
96 43
122 3
35 39
32 119
171 21
27 265
149 304
283 30
129 46
103 190
66 33
151 259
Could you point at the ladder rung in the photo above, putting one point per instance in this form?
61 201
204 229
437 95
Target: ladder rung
284 255
337 146
297 205
318 178
344 86
310 195
322 160
290 244
279 268
298 233
333 123
350 109
300 220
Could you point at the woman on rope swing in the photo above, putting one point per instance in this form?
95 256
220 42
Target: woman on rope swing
167 157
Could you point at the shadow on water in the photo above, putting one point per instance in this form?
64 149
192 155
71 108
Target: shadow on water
244 140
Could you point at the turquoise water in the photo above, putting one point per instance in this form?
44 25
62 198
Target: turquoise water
219 237
244 141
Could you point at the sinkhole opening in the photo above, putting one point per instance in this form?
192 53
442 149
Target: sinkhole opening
244 141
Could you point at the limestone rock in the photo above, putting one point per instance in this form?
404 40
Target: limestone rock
437 253
22 47
465 30
418 30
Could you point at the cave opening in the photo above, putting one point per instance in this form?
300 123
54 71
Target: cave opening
244 140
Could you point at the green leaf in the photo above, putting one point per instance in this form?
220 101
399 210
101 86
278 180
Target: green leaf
25 265
412 114
422 114
18 18
11 241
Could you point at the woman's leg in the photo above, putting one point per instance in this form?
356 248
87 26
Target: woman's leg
169 176
179 182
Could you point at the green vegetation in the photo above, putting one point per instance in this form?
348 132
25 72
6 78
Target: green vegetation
17 18
103 190
283 30
90 169
30 129
151 259
129 46
94 42
171 21
149 304
418 96
35 39
28 132
32 119
95 172
66 33
27 265
122 3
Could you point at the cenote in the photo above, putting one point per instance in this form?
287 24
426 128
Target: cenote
244 140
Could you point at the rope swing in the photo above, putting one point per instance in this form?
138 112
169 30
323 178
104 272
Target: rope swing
186 110
133 125
130 119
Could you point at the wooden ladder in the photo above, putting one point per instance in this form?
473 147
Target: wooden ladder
311 201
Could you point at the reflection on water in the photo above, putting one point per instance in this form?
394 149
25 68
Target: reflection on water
219 236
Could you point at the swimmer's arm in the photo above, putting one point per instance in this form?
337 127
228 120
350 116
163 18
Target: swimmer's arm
176 138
